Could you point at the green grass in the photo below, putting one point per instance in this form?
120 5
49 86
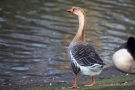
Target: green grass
116 83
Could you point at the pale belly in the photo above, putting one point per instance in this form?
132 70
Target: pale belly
123 61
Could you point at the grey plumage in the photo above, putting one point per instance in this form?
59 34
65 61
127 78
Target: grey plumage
85 55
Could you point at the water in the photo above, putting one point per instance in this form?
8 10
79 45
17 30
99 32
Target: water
35 34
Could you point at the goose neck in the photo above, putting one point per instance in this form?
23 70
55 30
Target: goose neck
80 36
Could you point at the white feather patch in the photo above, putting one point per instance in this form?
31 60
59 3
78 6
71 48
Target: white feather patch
122 59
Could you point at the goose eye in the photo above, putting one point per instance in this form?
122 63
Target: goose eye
74 9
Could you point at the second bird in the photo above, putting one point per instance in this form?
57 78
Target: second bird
83 56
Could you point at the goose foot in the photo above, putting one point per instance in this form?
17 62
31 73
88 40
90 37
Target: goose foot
93 82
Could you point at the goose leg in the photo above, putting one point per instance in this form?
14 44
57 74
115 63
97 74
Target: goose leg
75 85
93 82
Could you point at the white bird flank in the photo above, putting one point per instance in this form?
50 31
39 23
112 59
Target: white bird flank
122 59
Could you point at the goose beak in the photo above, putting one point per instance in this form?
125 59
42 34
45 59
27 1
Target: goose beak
70 10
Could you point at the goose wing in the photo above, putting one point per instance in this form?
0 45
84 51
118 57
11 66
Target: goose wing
85 55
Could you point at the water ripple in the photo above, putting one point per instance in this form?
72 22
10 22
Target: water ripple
35 34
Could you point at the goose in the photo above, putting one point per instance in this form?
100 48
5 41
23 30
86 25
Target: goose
82 56
124 57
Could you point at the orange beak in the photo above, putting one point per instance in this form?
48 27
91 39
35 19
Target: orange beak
70 10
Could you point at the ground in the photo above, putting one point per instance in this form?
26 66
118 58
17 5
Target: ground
66 79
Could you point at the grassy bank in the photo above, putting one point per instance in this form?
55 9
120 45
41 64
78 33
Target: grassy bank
115 83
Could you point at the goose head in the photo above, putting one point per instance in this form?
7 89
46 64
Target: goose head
76 11
131 43
80 36
131 40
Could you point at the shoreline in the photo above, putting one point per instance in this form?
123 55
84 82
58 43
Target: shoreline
64 77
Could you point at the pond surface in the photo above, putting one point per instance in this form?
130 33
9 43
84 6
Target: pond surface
35 34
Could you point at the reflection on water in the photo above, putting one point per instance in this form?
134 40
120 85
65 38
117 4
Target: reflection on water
34 35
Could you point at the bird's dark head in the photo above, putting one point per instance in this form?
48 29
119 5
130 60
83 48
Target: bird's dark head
131 41
76 10
131 46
